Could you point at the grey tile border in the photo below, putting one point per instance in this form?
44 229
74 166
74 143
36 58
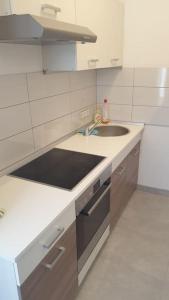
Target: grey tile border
153 190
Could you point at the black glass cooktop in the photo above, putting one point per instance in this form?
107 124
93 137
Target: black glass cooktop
60 168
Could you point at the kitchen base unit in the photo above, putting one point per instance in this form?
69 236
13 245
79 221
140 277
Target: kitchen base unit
56 276
124 183
47 269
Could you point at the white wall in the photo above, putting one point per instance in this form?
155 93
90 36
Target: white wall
146 44
146 33
139 92
142 95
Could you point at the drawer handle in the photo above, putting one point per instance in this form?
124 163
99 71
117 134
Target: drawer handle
55 9
49 242
120 171
88 213
56 260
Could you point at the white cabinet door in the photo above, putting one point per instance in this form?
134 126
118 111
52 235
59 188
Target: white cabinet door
67 8
91 14
105 19
114 33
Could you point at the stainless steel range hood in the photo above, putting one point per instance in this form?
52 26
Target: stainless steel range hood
30 29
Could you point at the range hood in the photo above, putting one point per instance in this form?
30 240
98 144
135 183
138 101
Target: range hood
30 29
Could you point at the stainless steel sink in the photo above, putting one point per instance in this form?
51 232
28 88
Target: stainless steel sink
112 130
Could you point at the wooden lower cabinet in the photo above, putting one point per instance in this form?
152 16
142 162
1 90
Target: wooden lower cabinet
58 282
124 183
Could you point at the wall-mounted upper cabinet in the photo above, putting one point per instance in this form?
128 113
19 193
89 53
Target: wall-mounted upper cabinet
105 19
63 10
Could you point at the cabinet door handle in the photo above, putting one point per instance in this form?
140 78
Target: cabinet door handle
50 241
53 8
2 212
120 171
115 59
93 60
136 152
56 260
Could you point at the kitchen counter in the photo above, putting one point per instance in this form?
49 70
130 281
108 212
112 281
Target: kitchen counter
116 148
31 207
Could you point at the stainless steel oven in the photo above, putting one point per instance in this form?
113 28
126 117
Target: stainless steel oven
93 211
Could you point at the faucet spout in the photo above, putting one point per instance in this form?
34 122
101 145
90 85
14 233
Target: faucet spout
89 129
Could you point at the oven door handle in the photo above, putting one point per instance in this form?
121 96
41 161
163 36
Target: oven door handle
90 211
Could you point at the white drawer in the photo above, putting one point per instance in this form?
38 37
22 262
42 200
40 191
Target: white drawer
27 262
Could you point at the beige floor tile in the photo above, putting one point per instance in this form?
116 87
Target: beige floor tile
144 254
149 206
134 264
147 214
118 281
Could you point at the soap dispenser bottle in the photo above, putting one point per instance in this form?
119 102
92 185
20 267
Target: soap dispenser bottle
105 118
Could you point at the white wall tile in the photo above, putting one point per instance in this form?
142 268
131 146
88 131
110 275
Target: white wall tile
152 77
50 132
119 112
17 59
48 109
151 96
115 95
82 98
78 122
154 162
42 86
151 115
82 79
116 77
14 120
13 90
15 148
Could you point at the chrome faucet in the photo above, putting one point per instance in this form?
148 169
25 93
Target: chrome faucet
89 129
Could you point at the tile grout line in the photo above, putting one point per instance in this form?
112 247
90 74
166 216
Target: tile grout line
30 112
133 95
76 111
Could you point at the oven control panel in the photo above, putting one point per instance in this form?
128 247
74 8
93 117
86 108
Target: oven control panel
92 190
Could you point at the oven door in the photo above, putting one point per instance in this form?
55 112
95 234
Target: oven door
92 217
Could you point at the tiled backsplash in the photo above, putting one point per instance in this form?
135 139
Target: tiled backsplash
139 95
36 110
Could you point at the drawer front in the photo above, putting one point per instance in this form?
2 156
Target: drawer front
55 278
42 245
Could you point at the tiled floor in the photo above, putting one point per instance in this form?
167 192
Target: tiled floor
134 264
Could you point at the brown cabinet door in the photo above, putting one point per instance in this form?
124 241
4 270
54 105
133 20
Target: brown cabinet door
124 183
56 276
132 170
118 192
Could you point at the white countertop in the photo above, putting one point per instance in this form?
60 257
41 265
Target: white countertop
31 207
115 148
